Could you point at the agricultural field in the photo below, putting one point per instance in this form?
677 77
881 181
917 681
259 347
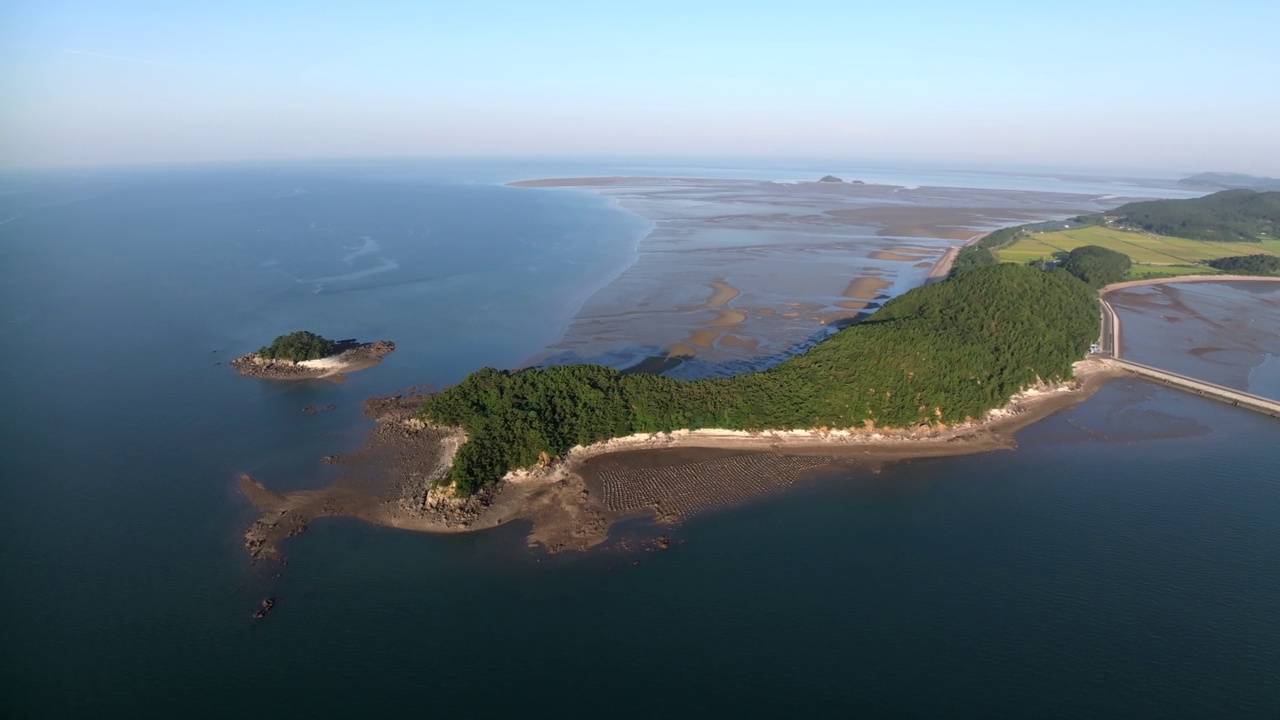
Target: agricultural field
1152 255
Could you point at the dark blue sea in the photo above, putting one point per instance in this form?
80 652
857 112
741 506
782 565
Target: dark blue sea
1122 562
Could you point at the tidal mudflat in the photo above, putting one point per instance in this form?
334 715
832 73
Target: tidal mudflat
1223 332
736 274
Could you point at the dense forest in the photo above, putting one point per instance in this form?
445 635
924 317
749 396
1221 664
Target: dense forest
983 252
1227 216
939 354
298 346
1248 264
1096 265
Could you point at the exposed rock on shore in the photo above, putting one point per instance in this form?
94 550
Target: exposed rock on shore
571 502
385 482
351 356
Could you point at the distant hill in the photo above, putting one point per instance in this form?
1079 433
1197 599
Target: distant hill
1230 181
1227 216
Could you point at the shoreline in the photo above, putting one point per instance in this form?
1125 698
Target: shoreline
567 501
581 301
942 268
1186 279
653 325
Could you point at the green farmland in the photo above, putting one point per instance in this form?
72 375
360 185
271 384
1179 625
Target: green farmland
1152 255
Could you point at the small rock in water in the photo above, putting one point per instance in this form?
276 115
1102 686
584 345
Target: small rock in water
662 542
268 605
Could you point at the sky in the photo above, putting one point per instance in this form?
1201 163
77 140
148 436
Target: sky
1171 86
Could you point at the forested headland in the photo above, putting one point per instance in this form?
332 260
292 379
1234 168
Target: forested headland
939 354
1227 216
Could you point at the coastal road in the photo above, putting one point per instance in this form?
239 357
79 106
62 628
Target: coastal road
1112 346
1231 396
1111 342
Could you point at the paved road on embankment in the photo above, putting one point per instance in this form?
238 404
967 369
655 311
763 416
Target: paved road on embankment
1112 347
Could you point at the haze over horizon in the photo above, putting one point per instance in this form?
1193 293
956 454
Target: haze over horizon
1174 87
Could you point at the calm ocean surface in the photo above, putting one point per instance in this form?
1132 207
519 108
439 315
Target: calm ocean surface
1123 562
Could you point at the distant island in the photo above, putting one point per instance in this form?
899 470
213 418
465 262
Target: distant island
834 179
304 355
1230 181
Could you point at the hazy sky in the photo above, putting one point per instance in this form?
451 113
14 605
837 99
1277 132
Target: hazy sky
1140 85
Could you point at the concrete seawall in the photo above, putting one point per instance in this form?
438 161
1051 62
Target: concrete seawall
1111 346
1238 398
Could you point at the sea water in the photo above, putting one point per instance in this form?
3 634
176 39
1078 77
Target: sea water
1120 562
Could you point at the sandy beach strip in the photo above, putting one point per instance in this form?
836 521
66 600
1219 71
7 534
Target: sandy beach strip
722 293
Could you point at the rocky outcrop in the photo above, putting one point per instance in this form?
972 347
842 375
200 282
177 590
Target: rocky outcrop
351 356
267 606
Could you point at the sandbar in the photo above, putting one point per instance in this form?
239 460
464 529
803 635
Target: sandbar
740 342
729 317
893 256
722 293
865 288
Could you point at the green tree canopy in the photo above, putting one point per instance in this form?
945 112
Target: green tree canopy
1227 216
298 346
1096 265
983 252
938 354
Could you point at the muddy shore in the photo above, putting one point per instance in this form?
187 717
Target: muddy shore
733 276
571 503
